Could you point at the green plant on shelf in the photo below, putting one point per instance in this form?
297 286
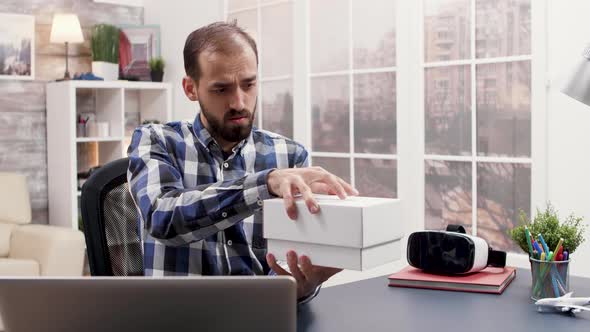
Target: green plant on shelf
547 223
157 64
105 43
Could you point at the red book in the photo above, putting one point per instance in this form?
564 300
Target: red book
489 280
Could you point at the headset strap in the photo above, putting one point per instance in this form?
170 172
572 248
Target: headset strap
456 229
496 258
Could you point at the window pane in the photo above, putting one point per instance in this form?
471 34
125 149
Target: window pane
447 110
277 40
376 178
330 114
337 166
329 40
447 30
374 113
503 190
373 33
502 28
247 20
448 194
504 109
233 5
277 107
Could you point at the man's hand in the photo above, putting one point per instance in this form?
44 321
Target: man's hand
308 276
287 183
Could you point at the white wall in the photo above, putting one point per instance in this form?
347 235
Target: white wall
568 120
178 18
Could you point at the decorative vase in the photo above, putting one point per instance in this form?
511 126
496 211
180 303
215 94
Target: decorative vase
157 76
108 71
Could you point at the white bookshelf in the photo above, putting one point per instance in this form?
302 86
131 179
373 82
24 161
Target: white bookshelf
107 102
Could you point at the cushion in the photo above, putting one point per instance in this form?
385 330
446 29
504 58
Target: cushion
15 207
5 232
18 267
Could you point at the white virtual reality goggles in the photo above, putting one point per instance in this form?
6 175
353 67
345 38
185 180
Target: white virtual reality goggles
451 252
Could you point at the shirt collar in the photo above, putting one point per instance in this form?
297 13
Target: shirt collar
201 132
206 139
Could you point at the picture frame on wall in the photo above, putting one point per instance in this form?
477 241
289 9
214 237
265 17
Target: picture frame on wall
138 44
17 47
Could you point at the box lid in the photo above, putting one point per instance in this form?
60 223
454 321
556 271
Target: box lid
357 222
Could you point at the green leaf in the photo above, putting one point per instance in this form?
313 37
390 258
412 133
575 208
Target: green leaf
105 43
547 223
156 64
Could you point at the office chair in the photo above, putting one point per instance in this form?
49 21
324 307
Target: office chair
110 222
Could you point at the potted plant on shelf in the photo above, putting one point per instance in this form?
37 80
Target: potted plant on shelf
157 69
105 51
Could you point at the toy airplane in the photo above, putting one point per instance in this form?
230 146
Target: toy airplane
565 303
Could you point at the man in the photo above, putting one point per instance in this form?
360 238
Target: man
196 184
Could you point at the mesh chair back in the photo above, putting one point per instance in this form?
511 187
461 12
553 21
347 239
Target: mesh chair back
110 222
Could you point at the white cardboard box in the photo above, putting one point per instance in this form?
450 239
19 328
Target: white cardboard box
356 233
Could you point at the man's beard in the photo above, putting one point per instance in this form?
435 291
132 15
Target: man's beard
226 130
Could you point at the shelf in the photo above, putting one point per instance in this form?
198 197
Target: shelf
98 139
108 101
114 84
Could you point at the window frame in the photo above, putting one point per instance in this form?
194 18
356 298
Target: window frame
410 110
539 130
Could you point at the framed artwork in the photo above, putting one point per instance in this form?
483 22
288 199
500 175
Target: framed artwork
17 47
137 45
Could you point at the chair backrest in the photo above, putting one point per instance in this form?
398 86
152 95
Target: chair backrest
110 222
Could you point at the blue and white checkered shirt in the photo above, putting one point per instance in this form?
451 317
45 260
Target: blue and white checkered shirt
201 213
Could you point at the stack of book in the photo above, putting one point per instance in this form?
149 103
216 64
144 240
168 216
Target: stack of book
489 280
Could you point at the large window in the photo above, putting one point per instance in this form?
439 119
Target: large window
477 121
459 71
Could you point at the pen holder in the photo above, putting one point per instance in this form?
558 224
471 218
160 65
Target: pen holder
549 278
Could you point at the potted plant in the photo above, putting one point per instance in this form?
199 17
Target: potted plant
105 51
547 222
157 69
549 243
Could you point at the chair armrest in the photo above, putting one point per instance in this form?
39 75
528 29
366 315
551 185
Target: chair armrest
58 250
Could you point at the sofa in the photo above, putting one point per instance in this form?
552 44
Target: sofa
34 250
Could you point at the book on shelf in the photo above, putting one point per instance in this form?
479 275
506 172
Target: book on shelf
489 280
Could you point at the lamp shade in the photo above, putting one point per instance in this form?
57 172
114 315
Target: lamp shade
578 85
66 29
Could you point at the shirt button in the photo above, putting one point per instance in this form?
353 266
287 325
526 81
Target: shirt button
224 214
226 165
260 203
229 243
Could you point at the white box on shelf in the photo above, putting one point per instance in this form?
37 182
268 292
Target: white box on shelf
357 233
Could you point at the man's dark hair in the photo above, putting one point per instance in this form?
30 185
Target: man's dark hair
218 36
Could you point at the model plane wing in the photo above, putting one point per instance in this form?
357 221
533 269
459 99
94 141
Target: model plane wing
570 307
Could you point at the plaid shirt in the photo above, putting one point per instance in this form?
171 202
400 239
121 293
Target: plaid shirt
201 213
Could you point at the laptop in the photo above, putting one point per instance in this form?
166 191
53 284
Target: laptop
127 304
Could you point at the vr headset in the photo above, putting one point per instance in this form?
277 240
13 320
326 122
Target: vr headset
451 252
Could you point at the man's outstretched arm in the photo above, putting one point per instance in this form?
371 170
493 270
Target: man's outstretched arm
177 215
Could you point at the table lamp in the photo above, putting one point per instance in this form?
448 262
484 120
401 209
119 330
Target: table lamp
578 86
66 29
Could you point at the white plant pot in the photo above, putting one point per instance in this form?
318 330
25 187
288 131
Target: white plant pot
108 71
